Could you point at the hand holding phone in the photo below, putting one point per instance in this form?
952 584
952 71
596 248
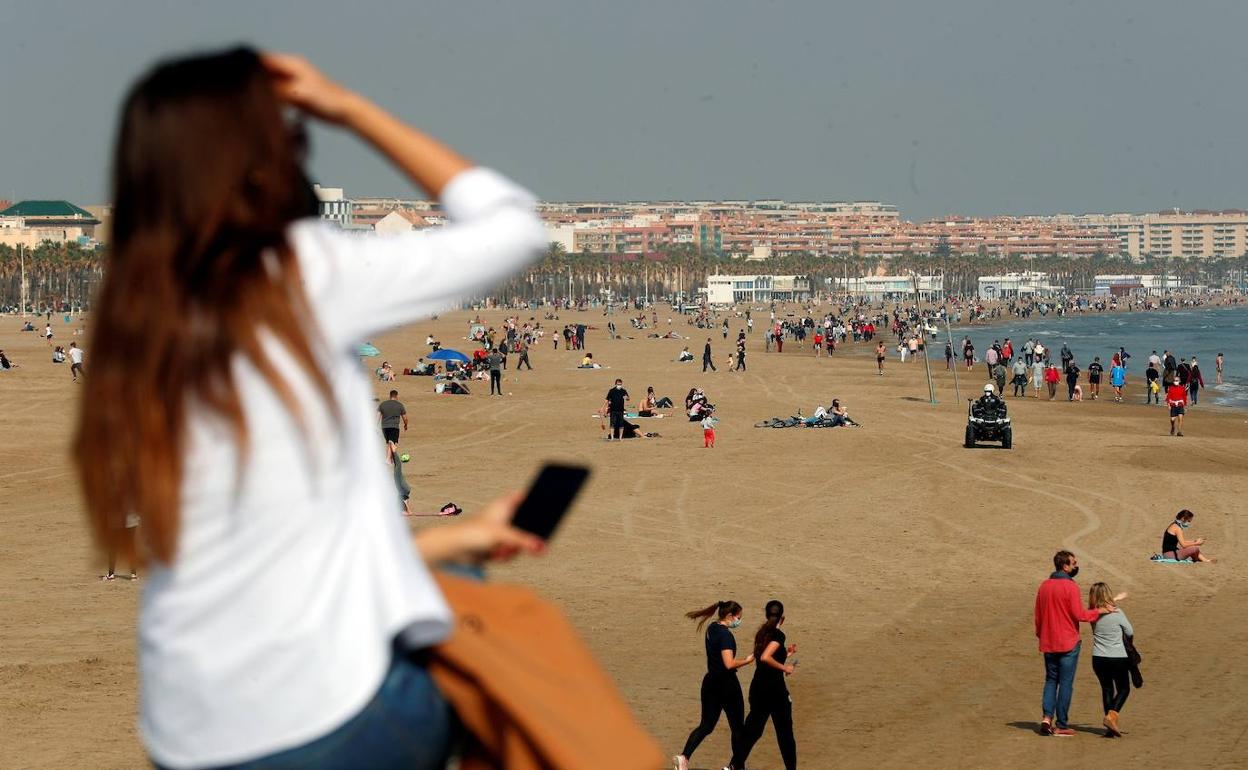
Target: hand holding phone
549 498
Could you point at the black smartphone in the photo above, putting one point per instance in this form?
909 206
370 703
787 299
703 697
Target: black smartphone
549 498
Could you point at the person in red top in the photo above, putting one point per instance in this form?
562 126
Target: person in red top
1059 610
1176 397
1051 377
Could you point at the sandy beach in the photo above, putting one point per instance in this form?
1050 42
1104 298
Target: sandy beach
908 565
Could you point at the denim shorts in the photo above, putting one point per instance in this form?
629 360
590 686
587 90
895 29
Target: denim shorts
407 724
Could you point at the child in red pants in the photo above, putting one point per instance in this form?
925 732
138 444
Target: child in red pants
708 431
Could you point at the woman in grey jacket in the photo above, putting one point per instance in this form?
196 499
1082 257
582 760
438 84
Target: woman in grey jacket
1109 655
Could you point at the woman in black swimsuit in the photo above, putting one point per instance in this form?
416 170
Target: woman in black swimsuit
720 689
1175 545
769 696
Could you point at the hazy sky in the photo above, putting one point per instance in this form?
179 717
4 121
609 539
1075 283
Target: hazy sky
939 106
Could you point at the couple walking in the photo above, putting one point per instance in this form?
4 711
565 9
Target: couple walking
1059 611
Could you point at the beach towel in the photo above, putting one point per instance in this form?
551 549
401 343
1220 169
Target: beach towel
635 416
1159 559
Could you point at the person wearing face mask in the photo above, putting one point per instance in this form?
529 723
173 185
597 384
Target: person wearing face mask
1175 545
614 403
769 696
1059 611
720 689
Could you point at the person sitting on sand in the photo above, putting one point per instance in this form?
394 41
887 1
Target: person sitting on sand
588 362
6 364
1174 543
422 368
385 372
651 403
840 416
58 355
685 355
452 388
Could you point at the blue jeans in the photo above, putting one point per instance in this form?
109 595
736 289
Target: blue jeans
1059 683
407 724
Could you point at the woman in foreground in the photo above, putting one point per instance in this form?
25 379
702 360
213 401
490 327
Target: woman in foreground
1109 654
287 606
769 695
721 692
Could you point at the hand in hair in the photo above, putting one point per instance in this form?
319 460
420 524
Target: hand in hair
302 85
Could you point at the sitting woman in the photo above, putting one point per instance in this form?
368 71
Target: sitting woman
385 372
452 388
58 355
685 355
1174 543
588 362
423 369
840 417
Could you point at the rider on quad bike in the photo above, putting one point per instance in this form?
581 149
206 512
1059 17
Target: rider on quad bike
987 420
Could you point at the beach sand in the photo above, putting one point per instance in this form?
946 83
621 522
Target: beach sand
908 565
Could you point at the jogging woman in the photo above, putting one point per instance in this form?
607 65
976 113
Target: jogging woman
769 697
720 689
287 603
1109 654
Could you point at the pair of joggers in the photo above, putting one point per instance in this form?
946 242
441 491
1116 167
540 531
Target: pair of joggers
722 693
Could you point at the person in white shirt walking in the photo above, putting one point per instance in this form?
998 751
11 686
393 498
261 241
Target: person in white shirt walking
75 361
287 602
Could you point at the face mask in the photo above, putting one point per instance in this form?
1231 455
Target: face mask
1183 524
1074 572
736 623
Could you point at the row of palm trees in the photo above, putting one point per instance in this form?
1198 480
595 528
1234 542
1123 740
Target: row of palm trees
60 274
56 275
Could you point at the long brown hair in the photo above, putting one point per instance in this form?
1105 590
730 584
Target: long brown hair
773 614
718 610
206 178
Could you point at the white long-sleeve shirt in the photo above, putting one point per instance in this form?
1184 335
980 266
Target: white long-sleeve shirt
274 623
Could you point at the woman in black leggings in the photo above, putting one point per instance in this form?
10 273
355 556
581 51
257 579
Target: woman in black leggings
720 689
769 697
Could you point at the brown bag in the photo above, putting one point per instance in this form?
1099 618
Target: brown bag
528 689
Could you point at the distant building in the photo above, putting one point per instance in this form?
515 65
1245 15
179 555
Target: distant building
879 287
333 205
732 289
1012 285
29 223
1142 284
399 221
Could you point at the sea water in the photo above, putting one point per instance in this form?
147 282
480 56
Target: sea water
1200 332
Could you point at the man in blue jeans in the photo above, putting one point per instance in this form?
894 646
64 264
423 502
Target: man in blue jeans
1059 610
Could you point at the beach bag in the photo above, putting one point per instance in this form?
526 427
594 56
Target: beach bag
527 689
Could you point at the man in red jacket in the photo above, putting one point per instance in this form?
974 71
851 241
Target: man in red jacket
1176 397
1059 610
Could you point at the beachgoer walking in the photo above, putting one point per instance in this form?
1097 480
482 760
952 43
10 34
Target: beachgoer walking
1217 365
1051 378
1176 399
968 352
1118 378
75 361
879 357
392 413
1095 370
1059 611
1072 379
614 403
1019 379
1174 542
267 638
707 360
740 357
1037 375
47 333
524 357
769 695
991 356
1153 377
1029 350
721 691
1194 382
948 355
1110 662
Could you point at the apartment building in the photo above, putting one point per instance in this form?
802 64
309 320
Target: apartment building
1173 234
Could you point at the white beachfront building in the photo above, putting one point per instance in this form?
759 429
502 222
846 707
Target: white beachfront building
1139 284
731 289
1025 284
878 287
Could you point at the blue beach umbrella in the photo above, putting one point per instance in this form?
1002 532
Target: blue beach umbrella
447 355
367 350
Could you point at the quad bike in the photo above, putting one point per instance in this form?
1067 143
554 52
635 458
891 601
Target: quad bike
988 422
